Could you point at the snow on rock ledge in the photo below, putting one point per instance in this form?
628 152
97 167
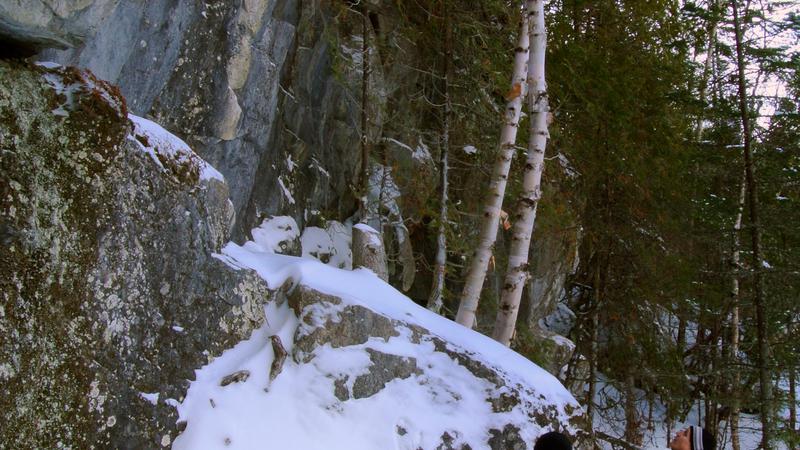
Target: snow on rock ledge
367 369
170 152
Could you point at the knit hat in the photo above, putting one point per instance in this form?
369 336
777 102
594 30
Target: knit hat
701 439
552 441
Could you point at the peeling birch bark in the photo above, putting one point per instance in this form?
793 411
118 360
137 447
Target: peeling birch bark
494 202
525 215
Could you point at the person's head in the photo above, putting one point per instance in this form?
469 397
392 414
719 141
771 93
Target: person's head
693 438
553 441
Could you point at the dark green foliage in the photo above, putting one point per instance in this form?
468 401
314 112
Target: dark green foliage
654 204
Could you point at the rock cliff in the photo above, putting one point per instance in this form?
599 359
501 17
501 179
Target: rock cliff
260 89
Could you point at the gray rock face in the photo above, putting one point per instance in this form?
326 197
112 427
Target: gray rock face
553 259
249 84
109 290
327 321
30 26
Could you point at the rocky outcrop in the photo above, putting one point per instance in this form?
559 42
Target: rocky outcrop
110 294
267 92
250 85
554 258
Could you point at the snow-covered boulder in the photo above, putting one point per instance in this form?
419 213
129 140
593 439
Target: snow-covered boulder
109 295
365 368
428 376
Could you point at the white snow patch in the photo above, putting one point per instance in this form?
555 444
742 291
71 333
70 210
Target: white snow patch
610 418
286 192
273 234
290 164
559 321
565 164
152 398
342 238
365 228
48 64
316 165
155 140
330 245
316 243
374 236
421 153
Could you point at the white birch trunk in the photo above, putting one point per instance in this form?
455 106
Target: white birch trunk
436 298
734 320
525 216
494 202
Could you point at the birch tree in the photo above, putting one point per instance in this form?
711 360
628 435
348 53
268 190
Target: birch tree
733 349
436 299
473 284
525 215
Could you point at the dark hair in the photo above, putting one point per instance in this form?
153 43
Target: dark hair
709 443
553 441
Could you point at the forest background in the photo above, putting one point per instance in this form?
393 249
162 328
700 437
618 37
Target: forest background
673 169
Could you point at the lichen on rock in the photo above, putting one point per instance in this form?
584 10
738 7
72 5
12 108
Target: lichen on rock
104 256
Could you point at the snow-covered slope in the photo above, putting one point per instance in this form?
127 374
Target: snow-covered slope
425 382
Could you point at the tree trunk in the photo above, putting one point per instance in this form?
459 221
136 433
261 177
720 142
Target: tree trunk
435 300
368 251
793 401
714 381
592 357
363 187
712 42
765 388
632 433
491 212
517 273
734 319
